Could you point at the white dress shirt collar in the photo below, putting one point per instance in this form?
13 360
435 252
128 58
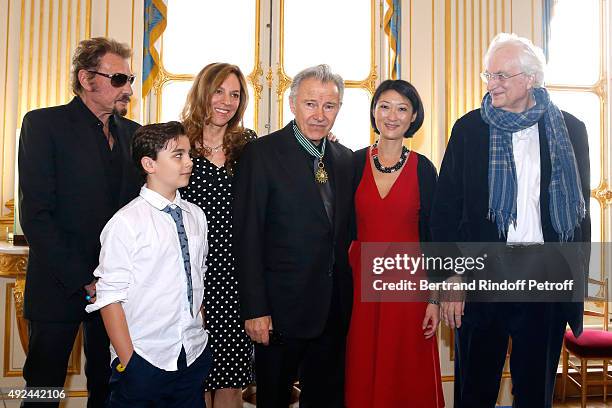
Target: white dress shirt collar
159 201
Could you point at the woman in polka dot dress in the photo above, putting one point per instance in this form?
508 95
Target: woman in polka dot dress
213 121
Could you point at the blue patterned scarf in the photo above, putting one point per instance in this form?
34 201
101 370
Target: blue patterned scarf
567 207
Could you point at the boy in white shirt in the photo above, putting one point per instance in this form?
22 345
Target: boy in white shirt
151 281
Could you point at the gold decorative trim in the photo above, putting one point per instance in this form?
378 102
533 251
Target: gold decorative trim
447 67
283 82
465 58
49 52
6 65
486 38
254 78
30 57
433 131
503 16
39 68
387 42
20 101
130 113
58 97
603 194
77 394
495 20
257 70
473 53
22 325
457 65
270 77
14 266
162 79
598 88
411 13
77 31
373 39
280 71
7 221
88 19
369 83
451 378
6 369
68 35
107 16
511 16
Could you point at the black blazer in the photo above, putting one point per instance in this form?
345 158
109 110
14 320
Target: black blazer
286 249
64 204
427 178
461 201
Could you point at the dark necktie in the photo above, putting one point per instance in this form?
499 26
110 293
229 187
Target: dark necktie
327 194
177 216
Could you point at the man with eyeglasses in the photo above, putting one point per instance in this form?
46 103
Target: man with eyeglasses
75 172
516 175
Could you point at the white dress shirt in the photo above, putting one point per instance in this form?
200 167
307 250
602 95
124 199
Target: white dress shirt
526 149
141 267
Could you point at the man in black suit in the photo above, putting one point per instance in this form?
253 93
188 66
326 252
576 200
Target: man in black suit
291 213
515 174
75 172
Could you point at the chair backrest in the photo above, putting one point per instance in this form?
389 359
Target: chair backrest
597 304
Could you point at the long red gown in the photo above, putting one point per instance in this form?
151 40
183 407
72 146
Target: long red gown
389 361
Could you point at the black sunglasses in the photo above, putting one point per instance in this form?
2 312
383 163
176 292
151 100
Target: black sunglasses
117 80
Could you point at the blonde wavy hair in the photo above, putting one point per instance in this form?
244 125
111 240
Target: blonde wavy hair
198 111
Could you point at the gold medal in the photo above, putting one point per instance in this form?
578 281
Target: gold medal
321 174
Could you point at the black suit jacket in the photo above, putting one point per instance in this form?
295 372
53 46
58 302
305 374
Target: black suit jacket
64 204
461 201
286 249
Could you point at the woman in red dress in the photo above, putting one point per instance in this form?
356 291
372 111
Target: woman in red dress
392 353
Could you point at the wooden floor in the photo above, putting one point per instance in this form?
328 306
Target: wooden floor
569 403
591 403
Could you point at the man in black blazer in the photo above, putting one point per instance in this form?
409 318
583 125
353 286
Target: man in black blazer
515 174
292 205
75 172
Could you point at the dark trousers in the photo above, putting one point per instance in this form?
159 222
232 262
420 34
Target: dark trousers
49 348
481 344
317 363
142 384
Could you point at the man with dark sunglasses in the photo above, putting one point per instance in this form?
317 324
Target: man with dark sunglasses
75 172
117 80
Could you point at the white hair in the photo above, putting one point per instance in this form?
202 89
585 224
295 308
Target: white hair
531 57
323 73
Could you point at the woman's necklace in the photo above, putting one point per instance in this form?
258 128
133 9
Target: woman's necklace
390 169
208 150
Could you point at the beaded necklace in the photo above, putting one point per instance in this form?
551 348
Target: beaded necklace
390 169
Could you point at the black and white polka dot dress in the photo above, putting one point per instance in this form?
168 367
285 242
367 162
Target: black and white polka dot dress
210 188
